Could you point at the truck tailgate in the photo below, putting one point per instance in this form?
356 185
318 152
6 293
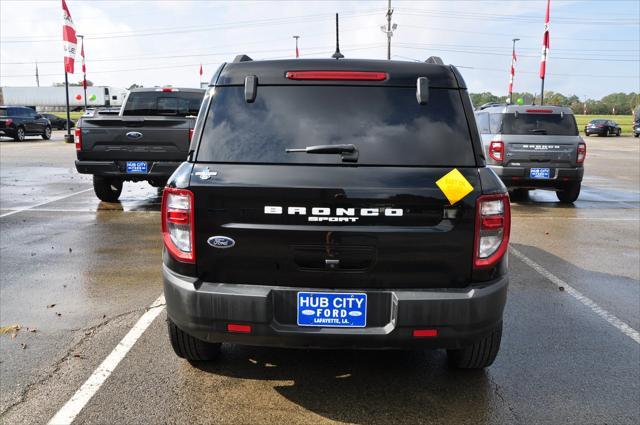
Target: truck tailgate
136 138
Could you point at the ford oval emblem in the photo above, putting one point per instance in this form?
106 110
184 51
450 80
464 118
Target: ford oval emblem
134 135
222 242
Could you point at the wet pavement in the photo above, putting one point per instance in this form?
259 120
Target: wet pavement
80 273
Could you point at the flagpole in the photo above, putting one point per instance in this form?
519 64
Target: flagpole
84 74
67 138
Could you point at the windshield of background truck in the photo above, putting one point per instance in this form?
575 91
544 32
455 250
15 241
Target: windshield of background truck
534 124
386 124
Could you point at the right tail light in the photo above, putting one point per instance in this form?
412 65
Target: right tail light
496 150
78 138
493 225
177 224
582 152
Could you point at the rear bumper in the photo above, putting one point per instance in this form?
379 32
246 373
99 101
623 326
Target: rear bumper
460 316
9 132
595 131
518 177
157 169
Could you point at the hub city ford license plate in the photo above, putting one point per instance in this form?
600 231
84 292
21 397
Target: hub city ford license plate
333 309
540 173
136 167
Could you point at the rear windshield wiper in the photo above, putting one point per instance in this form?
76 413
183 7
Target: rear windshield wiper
349 152
538 131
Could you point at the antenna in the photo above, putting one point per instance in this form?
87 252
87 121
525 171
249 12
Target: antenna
337 54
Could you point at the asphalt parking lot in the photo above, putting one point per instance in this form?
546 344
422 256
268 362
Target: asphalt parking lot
77 274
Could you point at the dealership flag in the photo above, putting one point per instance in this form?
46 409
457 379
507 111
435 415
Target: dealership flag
69 38
545 44
201 70
84 68
513 69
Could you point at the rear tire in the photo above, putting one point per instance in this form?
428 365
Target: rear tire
107 189
479 355
20 135
190 348
569 193
46 134
618 133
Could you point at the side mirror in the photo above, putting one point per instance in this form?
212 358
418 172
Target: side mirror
422 90
250 88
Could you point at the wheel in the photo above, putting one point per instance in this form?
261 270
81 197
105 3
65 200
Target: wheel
46 135
190 348
20 134
569 192
636 134
618 133
519 194
479 355
107 189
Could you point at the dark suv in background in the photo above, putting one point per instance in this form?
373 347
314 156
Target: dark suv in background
20 121
336 203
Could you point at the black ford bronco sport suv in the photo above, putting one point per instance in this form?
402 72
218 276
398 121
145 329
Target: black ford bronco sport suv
336 203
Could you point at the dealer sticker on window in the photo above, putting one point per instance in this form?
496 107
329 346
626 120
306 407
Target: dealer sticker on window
332 309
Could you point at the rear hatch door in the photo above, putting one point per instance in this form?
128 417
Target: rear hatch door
313 220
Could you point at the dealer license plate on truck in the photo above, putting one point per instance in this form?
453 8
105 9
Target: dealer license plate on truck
540 173
136 167
332 309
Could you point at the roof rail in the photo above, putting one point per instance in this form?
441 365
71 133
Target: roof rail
435 60
242 58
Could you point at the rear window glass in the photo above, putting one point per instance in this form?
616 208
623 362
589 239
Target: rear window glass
163 103
598 122
532 124
387 126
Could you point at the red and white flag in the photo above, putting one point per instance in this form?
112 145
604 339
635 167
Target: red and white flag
84 68
201 70
69 39
513 70
545 44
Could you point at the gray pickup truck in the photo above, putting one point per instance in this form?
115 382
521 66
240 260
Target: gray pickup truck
146 141
534 147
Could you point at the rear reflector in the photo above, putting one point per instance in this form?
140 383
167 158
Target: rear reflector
425 333
233 327
540 111
337 75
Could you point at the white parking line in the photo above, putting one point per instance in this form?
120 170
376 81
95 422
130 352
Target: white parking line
43 203
72 408
610 318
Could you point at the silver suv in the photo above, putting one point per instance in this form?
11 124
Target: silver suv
534 147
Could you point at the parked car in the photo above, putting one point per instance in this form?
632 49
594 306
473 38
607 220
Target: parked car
534 147
58 122
146 141
636 128
19 122
336 203
602 127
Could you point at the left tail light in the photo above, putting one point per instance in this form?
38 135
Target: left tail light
177 224
582 152
496 150
78 138
493 225
8 122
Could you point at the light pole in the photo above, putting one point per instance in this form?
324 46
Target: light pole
389 29
297 51
513 70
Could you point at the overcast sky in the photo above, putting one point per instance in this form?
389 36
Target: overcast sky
595 45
